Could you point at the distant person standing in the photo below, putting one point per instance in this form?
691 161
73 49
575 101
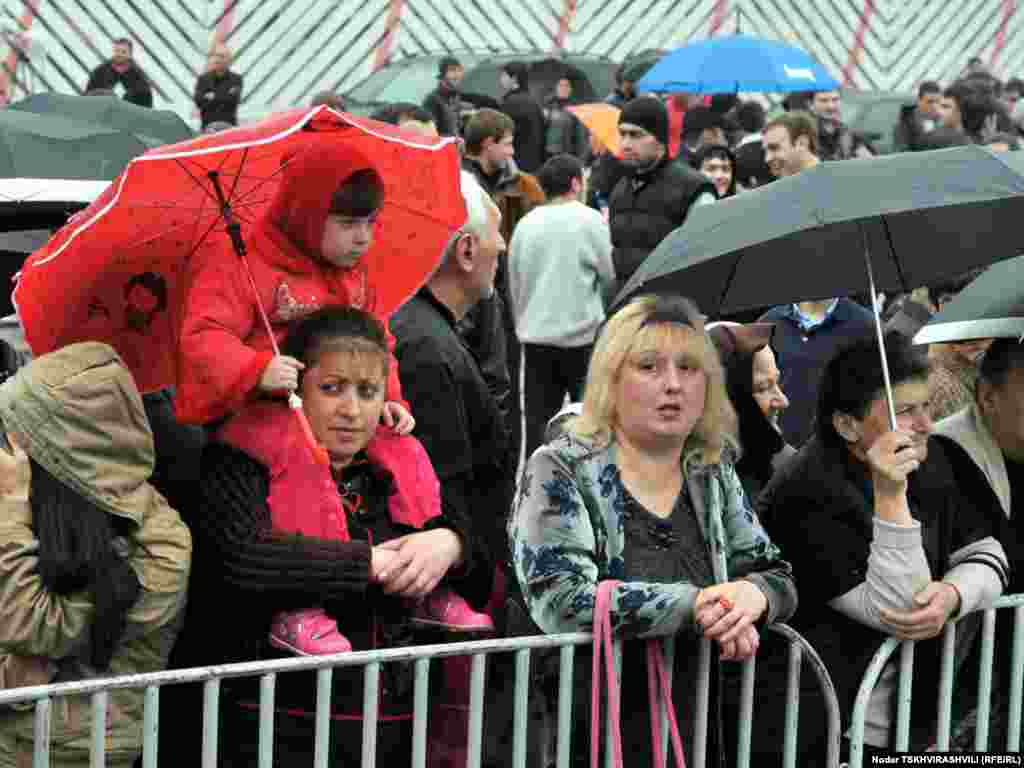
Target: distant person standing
218 89
443 102
526 113
122 76
560 277
656 193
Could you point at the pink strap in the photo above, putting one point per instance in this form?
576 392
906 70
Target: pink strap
659 688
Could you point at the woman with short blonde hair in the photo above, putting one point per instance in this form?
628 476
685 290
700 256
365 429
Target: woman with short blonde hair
641 489
631 329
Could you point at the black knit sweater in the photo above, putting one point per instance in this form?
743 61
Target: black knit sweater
244 572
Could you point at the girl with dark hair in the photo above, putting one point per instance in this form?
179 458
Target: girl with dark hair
363 538
752 380
345 365
93 561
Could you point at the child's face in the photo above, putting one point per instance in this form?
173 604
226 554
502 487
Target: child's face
346 239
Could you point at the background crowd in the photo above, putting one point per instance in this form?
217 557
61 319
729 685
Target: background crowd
726 474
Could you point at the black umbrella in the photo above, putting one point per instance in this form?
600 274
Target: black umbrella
163 125
889 223
992 306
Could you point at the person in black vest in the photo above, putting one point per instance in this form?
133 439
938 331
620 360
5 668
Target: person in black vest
122 76
656 194
218 89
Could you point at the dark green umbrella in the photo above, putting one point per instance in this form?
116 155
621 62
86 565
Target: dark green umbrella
889 223
991 307
52 147
164 126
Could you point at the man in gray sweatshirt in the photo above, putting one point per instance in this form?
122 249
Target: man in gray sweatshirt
560 275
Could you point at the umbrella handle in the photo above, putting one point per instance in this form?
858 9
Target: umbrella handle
319 454
235 233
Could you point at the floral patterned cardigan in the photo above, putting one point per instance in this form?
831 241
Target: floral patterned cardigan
566 535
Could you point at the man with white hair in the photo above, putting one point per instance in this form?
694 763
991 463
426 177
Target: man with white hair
218 89
457 419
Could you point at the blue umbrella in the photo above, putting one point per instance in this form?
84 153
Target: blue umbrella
737 63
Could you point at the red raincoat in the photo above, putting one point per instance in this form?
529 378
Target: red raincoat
223 346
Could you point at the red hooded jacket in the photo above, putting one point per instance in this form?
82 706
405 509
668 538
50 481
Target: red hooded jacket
223 345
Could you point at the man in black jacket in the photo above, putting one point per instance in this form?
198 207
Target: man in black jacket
443 102
656 194
919 120
122 76
218 89
457 420
526 113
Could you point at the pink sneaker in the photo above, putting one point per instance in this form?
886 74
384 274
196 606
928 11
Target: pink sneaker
444 608
309 632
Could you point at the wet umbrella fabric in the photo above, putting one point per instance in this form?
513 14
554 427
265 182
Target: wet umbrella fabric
602 120
160 125
737 63
804 237
992 306
120 267
36 146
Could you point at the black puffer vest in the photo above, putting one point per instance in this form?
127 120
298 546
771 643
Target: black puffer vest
644 208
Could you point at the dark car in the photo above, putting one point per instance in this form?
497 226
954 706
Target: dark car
411 79
874 114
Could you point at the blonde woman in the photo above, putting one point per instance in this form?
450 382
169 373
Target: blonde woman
642 489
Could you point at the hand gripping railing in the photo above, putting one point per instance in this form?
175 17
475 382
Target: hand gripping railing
421 656
945 700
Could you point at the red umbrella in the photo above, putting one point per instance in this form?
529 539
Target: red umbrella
116 272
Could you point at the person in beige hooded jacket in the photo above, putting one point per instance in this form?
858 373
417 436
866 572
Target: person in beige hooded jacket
75 417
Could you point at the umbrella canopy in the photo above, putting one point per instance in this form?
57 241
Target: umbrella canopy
640 63
737 63
591 77
804 237
160 125
602 120
992 306
36 146
147 225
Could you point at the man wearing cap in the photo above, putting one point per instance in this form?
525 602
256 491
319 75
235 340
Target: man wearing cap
443 102
656 194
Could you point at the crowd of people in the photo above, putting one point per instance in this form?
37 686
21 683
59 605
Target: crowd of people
479 461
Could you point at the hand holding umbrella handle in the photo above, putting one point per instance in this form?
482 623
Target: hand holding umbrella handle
319 454
235 232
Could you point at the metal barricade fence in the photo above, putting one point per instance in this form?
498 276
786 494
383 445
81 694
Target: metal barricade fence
267 671
945 693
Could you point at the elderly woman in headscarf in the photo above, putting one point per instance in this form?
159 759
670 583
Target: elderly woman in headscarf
753 383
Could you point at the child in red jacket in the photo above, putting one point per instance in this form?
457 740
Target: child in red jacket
305 253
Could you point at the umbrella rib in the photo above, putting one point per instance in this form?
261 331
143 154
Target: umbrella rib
892 250
198 183
728 284
238 176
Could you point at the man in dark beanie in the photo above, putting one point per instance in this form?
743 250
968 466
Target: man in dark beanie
526 113
656 194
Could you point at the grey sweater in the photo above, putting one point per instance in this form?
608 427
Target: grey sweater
897 570
560 274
